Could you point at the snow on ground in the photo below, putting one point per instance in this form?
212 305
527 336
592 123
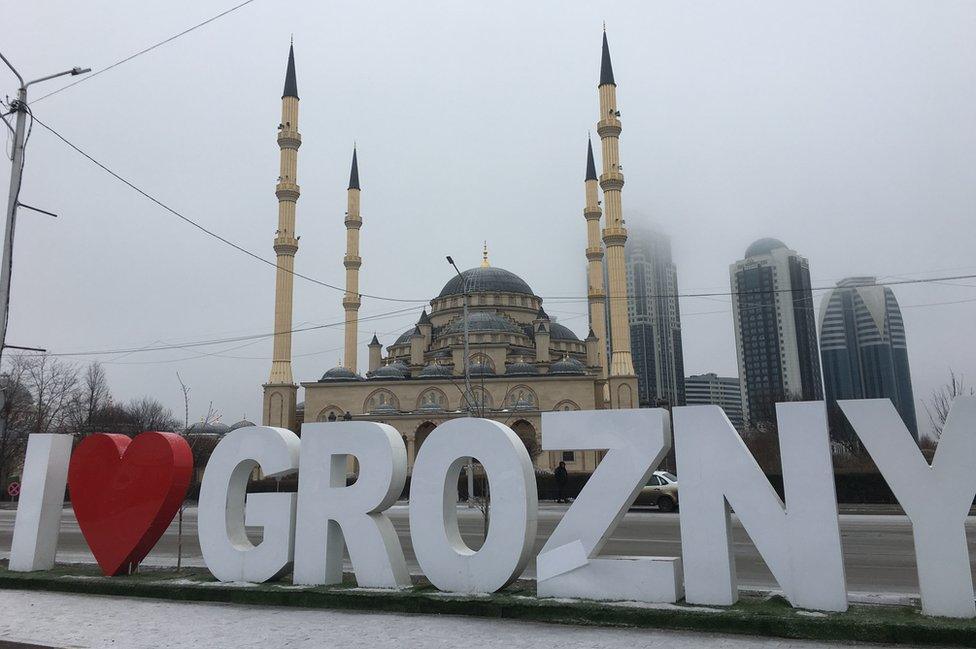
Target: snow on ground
91 621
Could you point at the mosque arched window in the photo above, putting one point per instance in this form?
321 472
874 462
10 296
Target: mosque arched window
432 399
330 413
480 399
521 397
381 401
566 405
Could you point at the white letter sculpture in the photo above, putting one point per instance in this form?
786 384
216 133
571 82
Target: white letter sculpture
568 566
936 498
223 511
443 555
800 542
332 516
38 521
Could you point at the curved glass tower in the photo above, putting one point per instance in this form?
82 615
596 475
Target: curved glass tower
863 349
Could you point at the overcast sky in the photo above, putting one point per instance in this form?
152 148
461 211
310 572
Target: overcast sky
848 130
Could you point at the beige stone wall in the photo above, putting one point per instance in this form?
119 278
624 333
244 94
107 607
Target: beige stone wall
548 393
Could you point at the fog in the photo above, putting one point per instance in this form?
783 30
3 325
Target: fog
847 130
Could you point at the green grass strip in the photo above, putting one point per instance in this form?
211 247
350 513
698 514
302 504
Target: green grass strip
751 616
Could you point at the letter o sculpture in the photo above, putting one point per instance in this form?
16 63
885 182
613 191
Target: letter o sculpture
445 559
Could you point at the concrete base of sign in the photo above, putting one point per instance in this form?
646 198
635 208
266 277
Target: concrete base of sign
641 579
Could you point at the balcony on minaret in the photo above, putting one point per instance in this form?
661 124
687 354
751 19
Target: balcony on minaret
287 190
285 244
609 126
353 221
611 180
352 261
594 254
351 301
289 138
614 236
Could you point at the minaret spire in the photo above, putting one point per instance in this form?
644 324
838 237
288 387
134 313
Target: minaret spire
352 261
280 392
622 393
291 82
595 292
606 67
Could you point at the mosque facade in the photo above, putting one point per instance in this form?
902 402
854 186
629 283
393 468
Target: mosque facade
506 360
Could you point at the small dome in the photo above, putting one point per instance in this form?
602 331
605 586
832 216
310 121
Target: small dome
481 369
387 373
482 321
561 332
243 423
433 370
521 368
404 338
340 374
567 366
202 428
485 279
763 247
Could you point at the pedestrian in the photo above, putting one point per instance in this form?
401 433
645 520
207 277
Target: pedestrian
562 477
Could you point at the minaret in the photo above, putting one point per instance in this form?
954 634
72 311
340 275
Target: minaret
352 261
595 292
280 392
622 393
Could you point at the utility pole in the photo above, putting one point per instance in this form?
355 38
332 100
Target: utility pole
18 106
467 371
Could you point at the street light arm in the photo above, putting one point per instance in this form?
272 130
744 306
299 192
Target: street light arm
13 69
73 72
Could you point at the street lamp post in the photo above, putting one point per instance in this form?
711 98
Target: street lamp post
467 370
18 106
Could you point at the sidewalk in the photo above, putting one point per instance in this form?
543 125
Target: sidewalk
96 621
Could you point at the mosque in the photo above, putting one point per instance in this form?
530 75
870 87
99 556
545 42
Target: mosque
519 362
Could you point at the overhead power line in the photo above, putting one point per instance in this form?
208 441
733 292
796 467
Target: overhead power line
203 228
144 51
220 341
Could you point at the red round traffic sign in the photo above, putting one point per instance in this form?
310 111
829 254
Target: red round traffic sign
13 489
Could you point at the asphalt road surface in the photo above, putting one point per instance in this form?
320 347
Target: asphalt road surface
879 553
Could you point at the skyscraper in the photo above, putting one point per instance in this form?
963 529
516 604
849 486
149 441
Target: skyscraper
655 319
722 391
775 329
863 348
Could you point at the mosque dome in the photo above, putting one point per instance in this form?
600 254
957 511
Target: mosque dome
340 374
486 279
203 428
390 372
561 332
243 423
763 246
567 366
521 368
434 370
482 321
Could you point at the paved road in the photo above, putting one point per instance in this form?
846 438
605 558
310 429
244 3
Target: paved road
878 548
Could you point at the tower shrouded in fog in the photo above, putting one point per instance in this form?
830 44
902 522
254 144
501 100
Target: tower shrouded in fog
280 392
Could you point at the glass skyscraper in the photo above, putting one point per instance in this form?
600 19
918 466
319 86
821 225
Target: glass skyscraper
775 329
654 318
863 348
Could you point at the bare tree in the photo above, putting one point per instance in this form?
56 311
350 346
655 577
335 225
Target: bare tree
149 414
90 400
51 383
941 401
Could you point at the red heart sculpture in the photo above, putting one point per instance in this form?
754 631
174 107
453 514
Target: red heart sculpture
125 493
